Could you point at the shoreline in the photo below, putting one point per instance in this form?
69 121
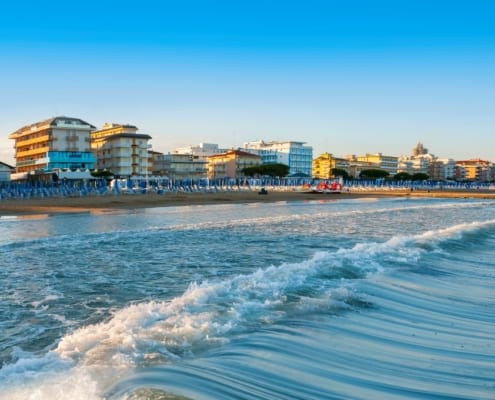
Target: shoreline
112 202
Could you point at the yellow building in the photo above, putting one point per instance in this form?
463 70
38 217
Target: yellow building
474 170
379 161
121 150
55 143
324 165
231 163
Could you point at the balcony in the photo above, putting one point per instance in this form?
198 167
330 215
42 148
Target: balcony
31 152
40 139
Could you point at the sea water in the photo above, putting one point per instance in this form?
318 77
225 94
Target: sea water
334 299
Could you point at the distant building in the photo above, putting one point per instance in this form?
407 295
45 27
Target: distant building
420 162
121 150
295 155
474 170
179 166
416 164
202 150
419 150
55 143
231 164
326 163
376 161
5 172
442 169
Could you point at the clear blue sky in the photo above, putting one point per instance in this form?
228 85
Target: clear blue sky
347 76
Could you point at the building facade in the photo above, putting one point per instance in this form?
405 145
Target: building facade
179 166
416 164
475 170
379 161
202 150
5 172
231 164
55 143
295 155
326 163
442 169
121 150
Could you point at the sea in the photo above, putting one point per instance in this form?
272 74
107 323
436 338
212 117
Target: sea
333 298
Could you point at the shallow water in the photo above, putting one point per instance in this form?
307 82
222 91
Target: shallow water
359 299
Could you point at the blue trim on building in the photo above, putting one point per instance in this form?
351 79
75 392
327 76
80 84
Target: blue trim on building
71 159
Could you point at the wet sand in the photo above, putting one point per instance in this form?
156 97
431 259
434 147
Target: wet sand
111 202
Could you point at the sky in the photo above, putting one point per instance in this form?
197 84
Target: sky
344 76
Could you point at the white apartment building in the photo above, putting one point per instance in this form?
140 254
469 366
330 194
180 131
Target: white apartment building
296 155
122 151
202 150
416 164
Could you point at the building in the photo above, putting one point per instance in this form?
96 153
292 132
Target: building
55 143
356 167
442 169
179 166
325 164
122 151
5 172
420 162
231 164
202 150
474 170
295 155
419 150
378 161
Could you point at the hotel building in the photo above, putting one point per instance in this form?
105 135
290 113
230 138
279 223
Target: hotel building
121 150
55 143
326 163
296 155
474 170
379 161
179 166
231 164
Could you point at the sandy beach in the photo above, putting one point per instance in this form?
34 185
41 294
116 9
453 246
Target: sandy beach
111 202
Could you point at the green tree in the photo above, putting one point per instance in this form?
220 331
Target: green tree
419 176
339 172
101 173
272 170
373 174
402 176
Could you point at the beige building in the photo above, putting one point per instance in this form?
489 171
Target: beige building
442 169
378 161
326 163
179 166
121 150
55 143
474 170
231 163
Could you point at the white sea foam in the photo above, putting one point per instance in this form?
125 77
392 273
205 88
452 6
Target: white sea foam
85 360
46 299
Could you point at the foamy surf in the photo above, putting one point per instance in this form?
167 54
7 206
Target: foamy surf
85 362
